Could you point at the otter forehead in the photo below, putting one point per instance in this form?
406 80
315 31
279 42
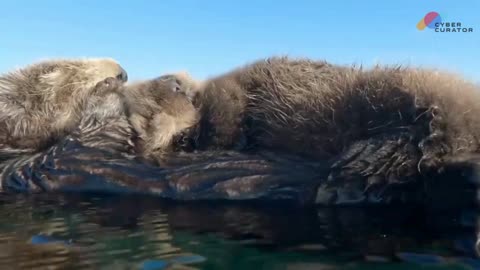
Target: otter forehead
163 86
163 92
105 66
183 82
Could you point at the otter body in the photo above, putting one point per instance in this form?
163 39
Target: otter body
320 109
43 101
375 127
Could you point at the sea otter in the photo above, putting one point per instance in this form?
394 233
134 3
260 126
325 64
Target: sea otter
41 102
377 163
378 128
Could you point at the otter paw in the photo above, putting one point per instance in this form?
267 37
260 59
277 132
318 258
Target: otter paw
183 141
369 170
108 85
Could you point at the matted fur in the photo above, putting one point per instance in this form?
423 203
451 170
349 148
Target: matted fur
44 100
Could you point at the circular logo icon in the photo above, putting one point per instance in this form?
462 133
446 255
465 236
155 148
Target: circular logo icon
430 20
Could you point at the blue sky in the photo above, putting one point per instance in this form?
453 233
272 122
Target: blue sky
210 37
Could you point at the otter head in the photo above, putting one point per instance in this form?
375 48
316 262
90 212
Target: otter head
60 79
64 78
183 82
160 110
48 96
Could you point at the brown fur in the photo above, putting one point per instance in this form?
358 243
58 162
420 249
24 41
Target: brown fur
320 109
46 99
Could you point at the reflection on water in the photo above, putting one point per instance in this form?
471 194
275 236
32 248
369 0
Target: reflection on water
73 232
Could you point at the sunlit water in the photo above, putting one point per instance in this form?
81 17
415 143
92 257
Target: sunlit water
95 232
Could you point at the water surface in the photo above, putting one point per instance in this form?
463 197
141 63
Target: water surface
99 232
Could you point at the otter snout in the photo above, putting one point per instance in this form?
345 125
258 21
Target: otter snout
122 76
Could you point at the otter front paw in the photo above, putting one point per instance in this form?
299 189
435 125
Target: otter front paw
105 103
108 85
183 141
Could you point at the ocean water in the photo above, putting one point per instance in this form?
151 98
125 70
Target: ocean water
104 232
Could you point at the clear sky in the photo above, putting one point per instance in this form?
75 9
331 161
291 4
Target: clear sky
210 37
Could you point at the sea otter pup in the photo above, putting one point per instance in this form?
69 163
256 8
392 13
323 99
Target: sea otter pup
159 111
377 128
41 102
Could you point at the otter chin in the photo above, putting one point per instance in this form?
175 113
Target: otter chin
44 101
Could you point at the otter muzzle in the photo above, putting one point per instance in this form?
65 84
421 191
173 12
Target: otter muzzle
122 76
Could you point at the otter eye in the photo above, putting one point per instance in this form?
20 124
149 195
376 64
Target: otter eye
177 89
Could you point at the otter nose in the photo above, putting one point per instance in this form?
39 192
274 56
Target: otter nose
122 76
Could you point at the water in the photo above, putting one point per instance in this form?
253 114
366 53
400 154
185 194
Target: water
95 232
